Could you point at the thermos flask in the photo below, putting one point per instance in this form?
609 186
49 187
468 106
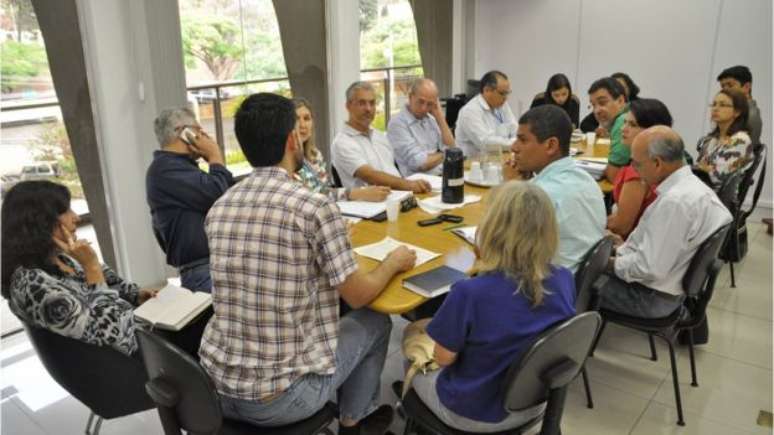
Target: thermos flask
453 191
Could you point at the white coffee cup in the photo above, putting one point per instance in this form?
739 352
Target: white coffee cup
393 208
475 171
591 138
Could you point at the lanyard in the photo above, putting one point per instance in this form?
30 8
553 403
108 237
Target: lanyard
498 115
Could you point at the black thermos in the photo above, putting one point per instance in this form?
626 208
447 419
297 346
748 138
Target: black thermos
453 191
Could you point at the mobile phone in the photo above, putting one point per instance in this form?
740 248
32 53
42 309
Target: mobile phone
451 218
188 136
431 221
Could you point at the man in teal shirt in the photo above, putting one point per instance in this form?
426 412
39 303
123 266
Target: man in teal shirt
542 148
609 102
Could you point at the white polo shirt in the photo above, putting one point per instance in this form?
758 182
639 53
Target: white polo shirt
478 125
352 149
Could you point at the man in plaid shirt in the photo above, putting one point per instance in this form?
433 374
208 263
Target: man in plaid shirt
280 259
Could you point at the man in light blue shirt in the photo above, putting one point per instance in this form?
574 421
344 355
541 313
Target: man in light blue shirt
542 148
419 132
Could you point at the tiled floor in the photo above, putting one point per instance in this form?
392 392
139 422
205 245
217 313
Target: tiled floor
633 395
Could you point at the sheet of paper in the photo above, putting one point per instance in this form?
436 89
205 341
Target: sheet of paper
434 205
365 209
467 233
435 181
379 250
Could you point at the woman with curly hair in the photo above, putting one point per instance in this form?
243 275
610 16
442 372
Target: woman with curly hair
54 281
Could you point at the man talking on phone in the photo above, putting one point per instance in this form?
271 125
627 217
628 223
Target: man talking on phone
180 194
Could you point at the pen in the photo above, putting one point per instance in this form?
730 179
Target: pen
454 226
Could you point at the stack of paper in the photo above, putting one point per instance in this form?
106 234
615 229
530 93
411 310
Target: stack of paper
434 205
595 168
467 233
367 210
436 182
379 250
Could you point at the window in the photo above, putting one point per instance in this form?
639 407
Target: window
389 54
231 49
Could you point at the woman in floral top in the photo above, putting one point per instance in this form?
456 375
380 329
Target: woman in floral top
313 173
56 282
728 147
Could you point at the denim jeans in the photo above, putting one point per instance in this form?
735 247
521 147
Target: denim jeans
364 336
195 276
634 299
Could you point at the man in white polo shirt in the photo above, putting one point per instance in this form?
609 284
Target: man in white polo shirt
361 154
486 120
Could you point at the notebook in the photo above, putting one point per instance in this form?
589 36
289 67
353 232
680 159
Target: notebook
367 210
434 282
173 307
467 233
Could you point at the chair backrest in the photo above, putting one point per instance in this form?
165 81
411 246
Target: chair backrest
93 374
183 392
553 361
589 270
728 191
704 258
336 178
759 158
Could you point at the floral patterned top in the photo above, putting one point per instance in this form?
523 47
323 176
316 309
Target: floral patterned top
99 314
314 176
725 159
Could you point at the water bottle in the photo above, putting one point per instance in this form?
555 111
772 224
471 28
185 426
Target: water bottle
453 190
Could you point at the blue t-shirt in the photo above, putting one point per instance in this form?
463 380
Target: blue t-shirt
489 325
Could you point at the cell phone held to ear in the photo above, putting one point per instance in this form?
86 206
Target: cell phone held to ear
188 136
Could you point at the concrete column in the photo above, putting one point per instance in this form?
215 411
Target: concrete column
434 22
343 41
302 29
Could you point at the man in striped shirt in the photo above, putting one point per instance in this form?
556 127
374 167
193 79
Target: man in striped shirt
280 260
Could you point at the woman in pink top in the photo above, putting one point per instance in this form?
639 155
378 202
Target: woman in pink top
630 194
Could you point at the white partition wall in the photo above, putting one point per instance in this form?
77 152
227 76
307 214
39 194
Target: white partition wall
672 49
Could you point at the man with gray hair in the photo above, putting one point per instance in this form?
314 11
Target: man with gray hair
419 133
647 270
361 154
180 194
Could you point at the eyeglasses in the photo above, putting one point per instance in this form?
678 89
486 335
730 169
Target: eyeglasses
503 93
711 105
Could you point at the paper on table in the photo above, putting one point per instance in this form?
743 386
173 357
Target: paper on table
435 181
379 250
467 233
364 209
434 204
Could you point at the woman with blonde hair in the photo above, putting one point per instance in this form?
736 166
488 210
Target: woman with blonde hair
313 173
488 321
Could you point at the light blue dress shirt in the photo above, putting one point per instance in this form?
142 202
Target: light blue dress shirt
413 140
580 209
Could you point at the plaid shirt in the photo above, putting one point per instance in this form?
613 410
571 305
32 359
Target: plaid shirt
277 252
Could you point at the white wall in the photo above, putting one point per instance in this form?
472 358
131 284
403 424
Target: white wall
343 34
672 49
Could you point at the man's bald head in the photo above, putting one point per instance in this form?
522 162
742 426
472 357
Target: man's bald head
423 97
657 152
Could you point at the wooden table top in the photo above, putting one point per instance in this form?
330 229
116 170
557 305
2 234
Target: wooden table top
456 252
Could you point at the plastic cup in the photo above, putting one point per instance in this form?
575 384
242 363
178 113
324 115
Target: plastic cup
393 208
591 138
475 171
491 175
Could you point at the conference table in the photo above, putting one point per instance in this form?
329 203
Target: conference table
455 252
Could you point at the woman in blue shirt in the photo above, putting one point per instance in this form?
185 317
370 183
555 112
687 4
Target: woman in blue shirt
488 321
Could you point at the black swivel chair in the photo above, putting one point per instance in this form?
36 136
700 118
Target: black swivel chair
336 178
736 244
588 272
186 398
698 284
110 383
542 374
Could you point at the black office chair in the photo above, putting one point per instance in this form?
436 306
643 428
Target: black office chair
336 178
453 106
110 383
698 284
187 400
541 375
737 243
588 272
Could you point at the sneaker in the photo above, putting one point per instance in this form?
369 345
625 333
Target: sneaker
375 423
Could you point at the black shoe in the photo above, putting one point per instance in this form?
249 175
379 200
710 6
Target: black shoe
375 423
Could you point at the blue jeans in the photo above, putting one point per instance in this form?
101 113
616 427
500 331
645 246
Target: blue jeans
364 336
195 276
634 299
